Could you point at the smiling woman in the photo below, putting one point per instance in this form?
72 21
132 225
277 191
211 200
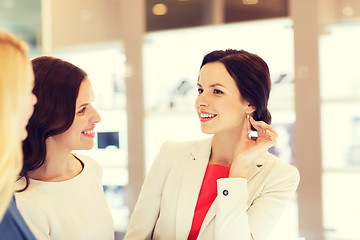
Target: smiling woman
228 186
56 185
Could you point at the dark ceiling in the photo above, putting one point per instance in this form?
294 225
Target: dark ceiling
189 13
23 17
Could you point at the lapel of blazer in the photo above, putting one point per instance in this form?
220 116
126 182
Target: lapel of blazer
255 167
253 170
194 171
209 216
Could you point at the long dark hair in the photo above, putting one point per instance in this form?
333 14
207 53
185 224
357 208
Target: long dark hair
57 84
251 75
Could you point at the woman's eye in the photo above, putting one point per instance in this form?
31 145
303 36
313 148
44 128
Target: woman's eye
82 110
216 91
200 90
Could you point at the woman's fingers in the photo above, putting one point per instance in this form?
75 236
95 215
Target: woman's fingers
248 150
262 127
271 136
266 134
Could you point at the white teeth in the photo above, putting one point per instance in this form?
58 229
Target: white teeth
207 115
89 132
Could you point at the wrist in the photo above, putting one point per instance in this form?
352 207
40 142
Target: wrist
238 171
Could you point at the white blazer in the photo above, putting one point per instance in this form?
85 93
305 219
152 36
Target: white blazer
168 197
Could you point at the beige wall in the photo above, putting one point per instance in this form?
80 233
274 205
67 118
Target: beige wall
69 23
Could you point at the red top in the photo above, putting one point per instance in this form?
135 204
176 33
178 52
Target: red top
207 195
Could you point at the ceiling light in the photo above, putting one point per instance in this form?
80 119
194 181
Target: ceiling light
348 11
250 2
159 9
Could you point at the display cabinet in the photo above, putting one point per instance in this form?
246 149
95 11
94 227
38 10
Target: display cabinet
340 127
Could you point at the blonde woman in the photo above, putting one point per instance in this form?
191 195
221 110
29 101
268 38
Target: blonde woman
16 106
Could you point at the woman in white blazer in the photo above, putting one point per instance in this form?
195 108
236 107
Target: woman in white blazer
227 186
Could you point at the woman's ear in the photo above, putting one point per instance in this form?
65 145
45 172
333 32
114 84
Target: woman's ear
250 109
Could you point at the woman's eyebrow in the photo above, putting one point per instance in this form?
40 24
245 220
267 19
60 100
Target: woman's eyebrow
82 105
216 84
212 85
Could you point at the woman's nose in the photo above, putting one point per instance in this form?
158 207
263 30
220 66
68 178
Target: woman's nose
34 99
201 101
95 117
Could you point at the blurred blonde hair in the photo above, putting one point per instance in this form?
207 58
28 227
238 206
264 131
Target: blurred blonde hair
14 66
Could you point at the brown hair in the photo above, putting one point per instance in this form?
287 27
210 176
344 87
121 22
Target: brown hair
57 85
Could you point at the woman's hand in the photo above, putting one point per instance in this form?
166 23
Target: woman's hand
248 150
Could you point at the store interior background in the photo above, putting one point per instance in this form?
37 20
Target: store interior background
143 59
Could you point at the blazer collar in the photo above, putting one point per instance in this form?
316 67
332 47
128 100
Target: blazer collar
194 171
255 167
201 151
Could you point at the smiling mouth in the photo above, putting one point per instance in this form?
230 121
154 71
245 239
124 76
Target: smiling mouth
89 132
207 116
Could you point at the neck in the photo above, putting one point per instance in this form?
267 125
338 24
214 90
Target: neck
59 165
222 148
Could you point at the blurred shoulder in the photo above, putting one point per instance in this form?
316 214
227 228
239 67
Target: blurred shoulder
280 167
88 161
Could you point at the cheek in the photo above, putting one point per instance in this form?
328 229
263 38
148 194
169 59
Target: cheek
234 108
79 124
73 132
228 105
